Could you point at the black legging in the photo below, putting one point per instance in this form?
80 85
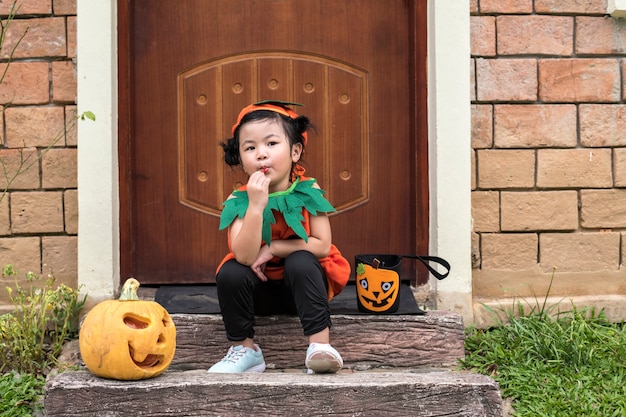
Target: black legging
242 295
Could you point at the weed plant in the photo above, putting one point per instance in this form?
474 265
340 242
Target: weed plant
553 363
33 334
20 394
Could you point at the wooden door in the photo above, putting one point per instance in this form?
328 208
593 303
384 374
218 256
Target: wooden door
188 67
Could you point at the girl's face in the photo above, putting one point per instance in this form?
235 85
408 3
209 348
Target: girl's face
264 146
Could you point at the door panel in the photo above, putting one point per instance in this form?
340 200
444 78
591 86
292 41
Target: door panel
353 64
341 164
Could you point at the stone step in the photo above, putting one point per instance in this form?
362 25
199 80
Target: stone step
348 393
364 341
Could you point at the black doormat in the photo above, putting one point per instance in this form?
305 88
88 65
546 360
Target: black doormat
202 299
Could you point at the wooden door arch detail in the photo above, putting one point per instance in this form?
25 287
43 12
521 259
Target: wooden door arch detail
169 229
317 82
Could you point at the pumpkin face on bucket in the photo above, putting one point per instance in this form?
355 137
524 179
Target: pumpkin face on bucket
127 339
377 289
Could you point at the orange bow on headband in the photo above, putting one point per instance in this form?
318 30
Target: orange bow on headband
270 105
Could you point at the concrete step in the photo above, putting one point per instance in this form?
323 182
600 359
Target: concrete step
348 393
394 365
364 341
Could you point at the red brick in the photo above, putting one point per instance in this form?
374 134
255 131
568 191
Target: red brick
36 212
5 218
71 37
548 35
603 209
71 134
482 126
619 164
511 251
579 80
483 35
473 6
34 126
574 168
70 205
506 79
600 35
475 250
22 169
60 257
27 7
43 37
623 80
64 7
571 6
535 125
22 252
602 125
579 252
64 82
58 168
25 83
486 211
539 210
473 169
506 6
498 168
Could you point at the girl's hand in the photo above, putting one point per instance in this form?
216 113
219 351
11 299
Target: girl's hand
245 234
258 266
258 190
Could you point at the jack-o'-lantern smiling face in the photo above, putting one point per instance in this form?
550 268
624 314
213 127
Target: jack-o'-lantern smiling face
377 289
129 338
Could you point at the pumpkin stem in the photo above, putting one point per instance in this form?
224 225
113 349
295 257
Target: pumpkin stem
129 290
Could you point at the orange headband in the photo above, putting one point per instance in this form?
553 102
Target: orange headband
275 106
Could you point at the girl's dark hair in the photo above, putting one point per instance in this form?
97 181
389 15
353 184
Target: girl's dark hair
294 128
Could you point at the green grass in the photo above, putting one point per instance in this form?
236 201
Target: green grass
565 364
20 394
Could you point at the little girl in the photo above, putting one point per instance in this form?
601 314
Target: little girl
282 260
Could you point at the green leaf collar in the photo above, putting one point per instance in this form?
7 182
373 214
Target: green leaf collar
300 195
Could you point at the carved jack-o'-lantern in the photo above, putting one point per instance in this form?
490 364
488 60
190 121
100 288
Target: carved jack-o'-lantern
377 289
127 339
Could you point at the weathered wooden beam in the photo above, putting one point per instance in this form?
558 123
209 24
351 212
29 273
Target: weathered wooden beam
432 340
196 393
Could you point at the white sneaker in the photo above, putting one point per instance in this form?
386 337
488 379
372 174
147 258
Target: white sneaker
240 359
322 358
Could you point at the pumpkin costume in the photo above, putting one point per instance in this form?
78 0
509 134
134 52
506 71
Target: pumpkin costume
286 216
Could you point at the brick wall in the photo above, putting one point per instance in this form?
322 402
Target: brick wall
549 146
39 216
